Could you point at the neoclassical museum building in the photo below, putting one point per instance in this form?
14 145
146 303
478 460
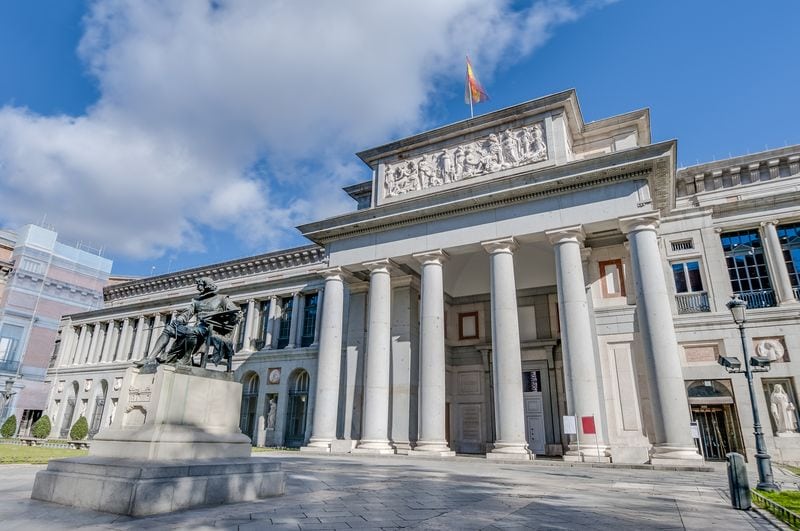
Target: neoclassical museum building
497 275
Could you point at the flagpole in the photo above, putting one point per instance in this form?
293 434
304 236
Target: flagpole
469 88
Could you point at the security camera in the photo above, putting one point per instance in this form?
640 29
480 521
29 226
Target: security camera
730 363
758 361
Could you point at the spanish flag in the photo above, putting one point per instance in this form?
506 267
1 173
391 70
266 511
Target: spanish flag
473 92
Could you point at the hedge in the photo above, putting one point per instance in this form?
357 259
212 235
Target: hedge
41 428
9 427
79 430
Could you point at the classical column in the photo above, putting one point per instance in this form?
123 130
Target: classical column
93 344
76 356
122 353
673 438
580 362
108 340
511 442
137 338
777 263
318 321
326 402
248 326
97 351
432 371
68 338
295 323
375 432
269 328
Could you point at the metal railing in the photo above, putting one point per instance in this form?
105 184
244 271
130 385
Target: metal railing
796 292
692 302
787 516
764 298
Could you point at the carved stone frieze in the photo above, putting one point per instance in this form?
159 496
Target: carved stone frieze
494 152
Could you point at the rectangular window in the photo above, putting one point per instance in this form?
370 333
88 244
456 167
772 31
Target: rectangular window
10 340
789 236
747 267
468 325
309 319
531 382
612 278
687 277
682 245
286 321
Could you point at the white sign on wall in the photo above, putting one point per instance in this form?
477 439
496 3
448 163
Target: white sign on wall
570 425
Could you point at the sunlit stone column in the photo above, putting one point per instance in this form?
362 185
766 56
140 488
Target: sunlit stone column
89 357
432 397
326 403
248 325
375 432
77 355
318 322
137 338
68 339
108 342
296 318
271 319
122 347
581 369
511 442
673 439
777 263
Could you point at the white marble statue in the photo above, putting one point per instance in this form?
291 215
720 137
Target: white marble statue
273 412
782 409
770 349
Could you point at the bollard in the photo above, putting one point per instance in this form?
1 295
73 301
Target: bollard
737 482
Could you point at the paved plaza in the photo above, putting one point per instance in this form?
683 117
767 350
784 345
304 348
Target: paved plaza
325 492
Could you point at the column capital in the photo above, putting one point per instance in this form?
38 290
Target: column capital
334 273
566 235
501 245
387 265
639 222
772 222
437 256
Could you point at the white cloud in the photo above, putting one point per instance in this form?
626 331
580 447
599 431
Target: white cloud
242 115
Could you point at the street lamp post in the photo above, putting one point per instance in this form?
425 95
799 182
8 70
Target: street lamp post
752 364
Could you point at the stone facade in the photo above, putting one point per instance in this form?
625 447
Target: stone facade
468 306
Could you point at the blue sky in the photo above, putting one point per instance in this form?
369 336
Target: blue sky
189 133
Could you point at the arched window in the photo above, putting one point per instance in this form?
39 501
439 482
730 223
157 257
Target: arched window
296 414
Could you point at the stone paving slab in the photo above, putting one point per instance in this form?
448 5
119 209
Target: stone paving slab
399 492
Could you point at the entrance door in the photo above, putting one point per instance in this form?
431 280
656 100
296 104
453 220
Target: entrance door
534 411
296 410
717 434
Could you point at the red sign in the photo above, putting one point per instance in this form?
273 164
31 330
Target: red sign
587 425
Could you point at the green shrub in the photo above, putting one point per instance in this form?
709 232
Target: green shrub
41 428
9 427
79 430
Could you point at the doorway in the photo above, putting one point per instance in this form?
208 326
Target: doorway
533 397
714 411
297 408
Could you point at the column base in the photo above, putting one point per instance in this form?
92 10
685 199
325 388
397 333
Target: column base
432 448
319 446
517 451
373 448
675 455
342 446
587 454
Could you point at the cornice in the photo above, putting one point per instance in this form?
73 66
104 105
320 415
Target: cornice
264 263
654 162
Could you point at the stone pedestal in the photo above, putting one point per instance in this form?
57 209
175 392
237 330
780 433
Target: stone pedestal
174 444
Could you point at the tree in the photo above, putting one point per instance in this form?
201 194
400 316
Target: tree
9 427
41 428
79 430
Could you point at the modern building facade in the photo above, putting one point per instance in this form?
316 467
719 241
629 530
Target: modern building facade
500 274
41 279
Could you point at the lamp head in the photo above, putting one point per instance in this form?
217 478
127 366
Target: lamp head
758 361
730 363
738 309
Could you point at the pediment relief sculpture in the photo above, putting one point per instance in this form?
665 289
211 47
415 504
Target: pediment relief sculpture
495 152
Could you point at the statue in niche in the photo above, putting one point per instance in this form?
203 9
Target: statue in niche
215 318
783 410
272 414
